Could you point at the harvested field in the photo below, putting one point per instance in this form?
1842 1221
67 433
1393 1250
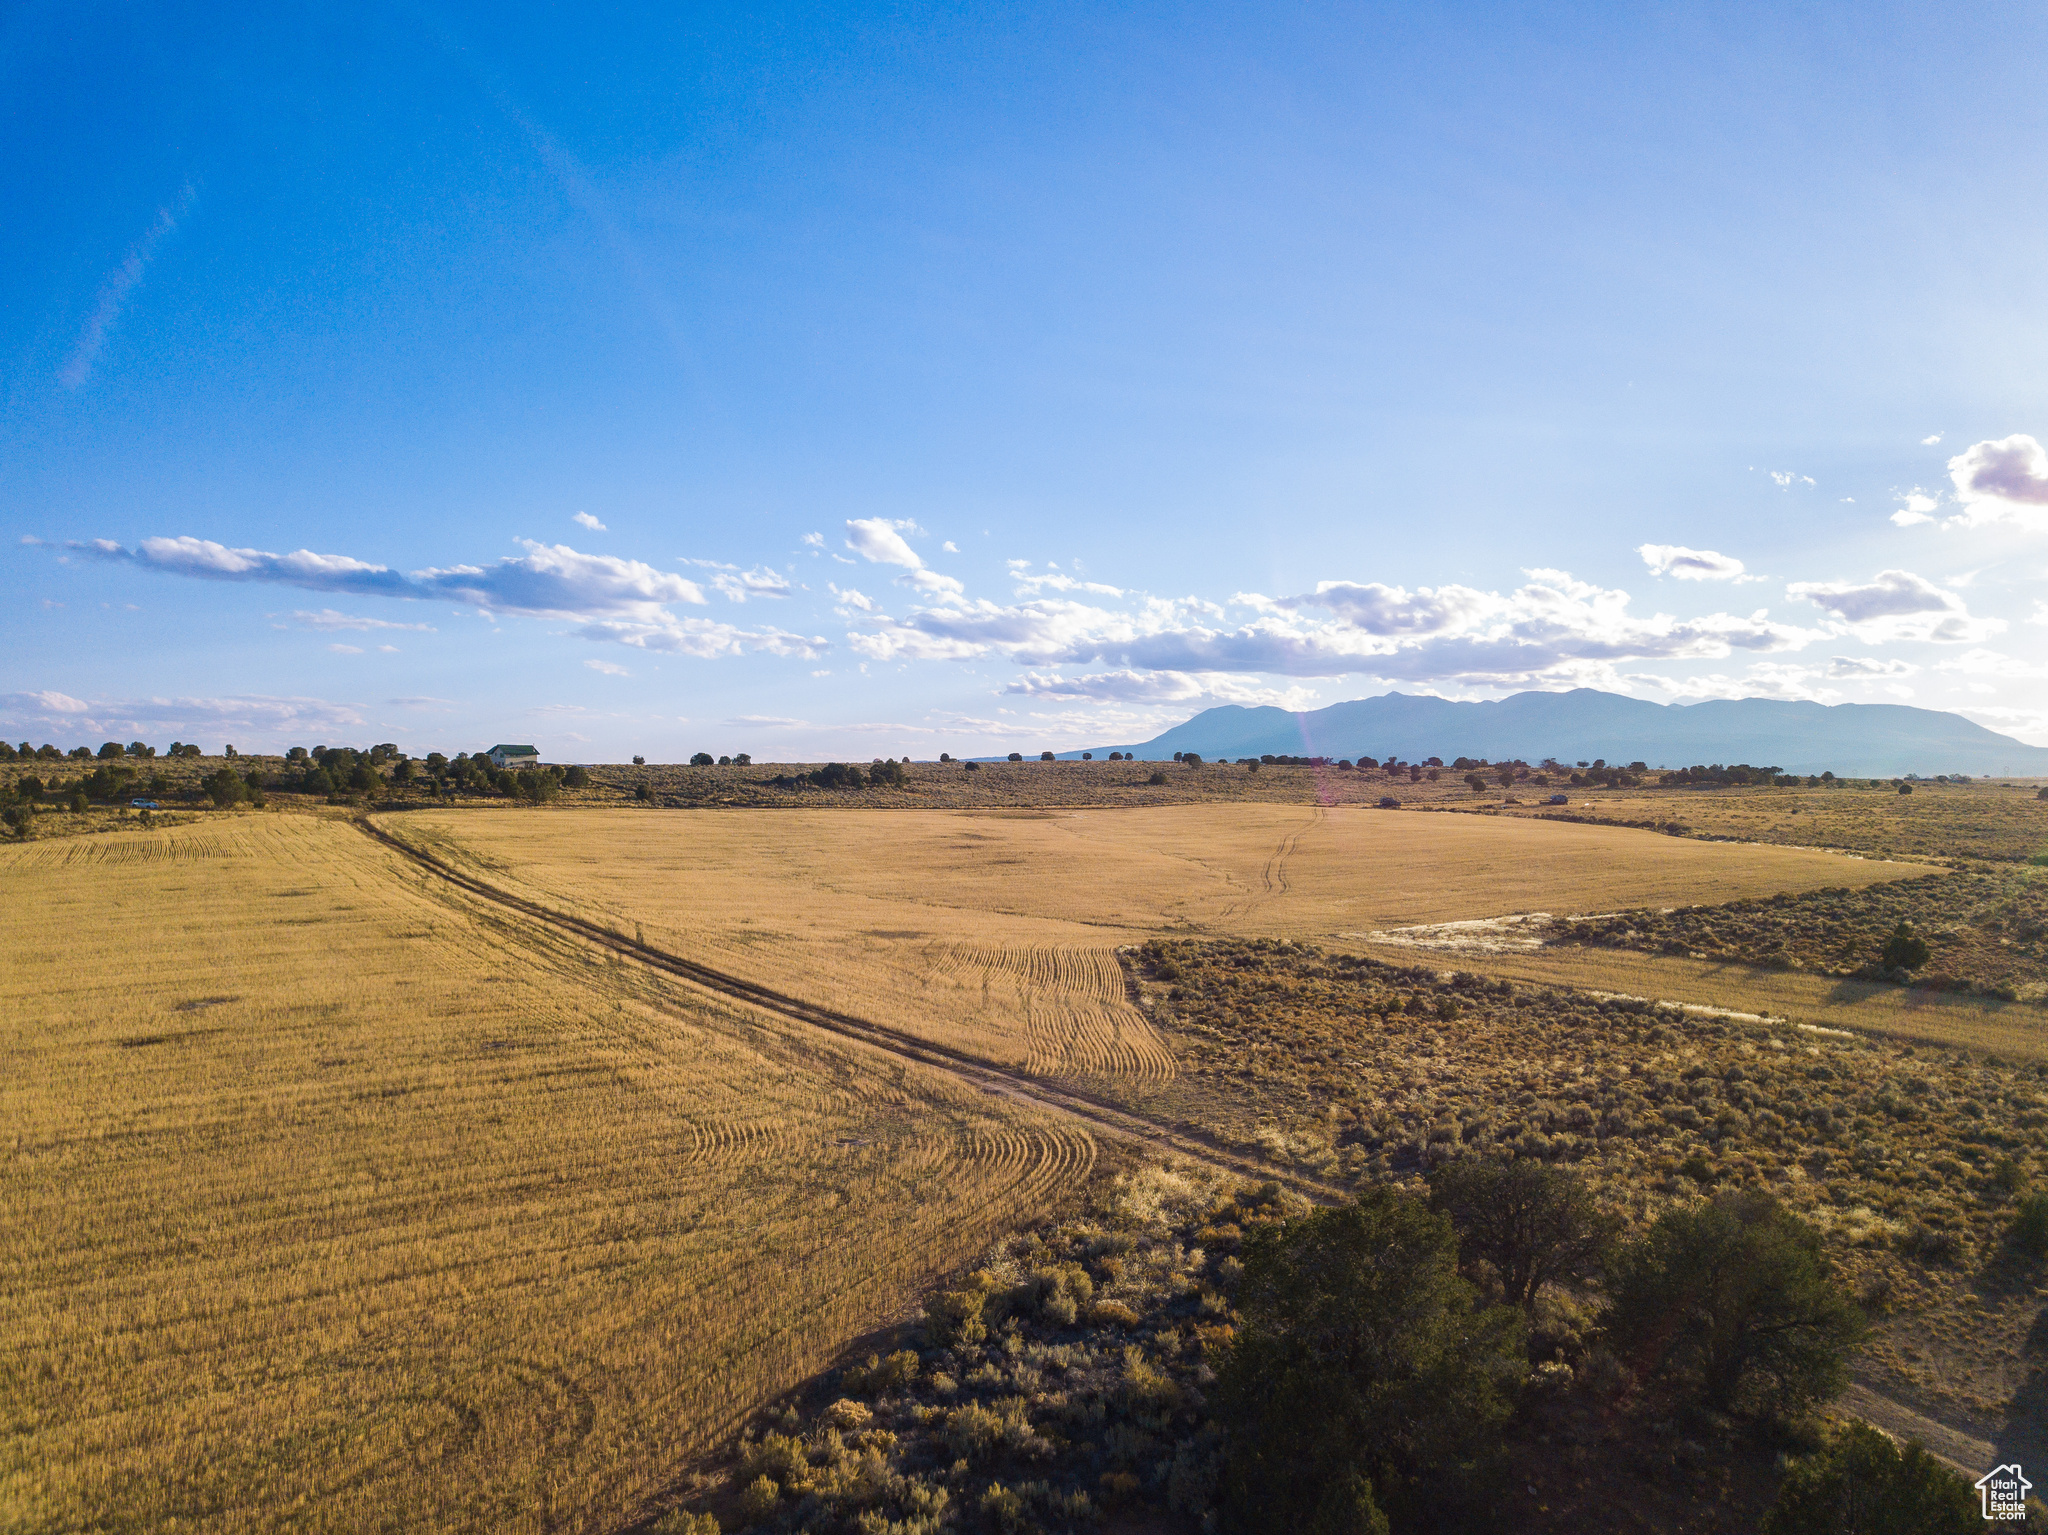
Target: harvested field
997 931
337 1202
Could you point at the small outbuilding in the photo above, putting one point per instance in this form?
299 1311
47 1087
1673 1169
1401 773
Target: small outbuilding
513 756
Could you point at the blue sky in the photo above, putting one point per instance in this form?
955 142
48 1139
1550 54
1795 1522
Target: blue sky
854 381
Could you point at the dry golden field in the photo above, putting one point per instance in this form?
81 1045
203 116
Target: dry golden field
997 931
335 1201
339 1199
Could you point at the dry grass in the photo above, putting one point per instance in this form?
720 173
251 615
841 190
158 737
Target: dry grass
998 930
1908 1159
333 1204
349 1203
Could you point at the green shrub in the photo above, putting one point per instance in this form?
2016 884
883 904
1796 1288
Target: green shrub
955 1316
1362 1357
1904 949
2030 1226
1734 1301
1531 1224
1863 1484
760 1498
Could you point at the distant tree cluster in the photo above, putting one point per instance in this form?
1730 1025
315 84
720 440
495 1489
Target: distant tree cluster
880 774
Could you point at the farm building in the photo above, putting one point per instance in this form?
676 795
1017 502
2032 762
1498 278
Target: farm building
513 756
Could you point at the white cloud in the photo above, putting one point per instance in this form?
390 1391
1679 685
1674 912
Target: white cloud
609 668
1896 605
548 581
328 621
47 702
950 547
1553 629
388 650
1928 442
1027 585
815 541
1390 610
1990 663
2040 613
1766 679
1854 668
1128 686
1786 478
774 721
1919 508
346 650
851 601
702 638
1689 564
114 291
932 584
257 721
739 585
880 541
610 599
2002 481
584 519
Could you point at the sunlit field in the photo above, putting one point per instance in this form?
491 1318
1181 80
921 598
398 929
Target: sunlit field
332 1202
998 930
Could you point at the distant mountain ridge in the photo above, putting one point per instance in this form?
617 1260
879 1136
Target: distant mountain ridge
1863 740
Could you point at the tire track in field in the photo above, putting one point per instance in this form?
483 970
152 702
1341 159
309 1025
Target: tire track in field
1274 875
1064 1099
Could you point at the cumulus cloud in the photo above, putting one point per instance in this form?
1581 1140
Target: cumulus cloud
881 542
584 519
548 581
950 547
611 599
1896 605
2005 480
609 668
1374 609
1689 564
1928 442
737 585
1553 628
1919 507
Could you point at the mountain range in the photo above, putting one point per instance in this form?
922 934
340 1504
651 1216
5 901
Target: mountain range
1855 740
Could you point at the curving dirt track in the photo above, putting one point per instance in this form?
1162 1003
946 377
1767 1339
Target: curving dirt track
1062 1097
1059 1096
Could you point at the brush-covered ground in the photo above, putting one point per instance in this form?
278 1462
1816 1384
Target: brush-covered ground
1060 1386
1911 1160
1986 932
